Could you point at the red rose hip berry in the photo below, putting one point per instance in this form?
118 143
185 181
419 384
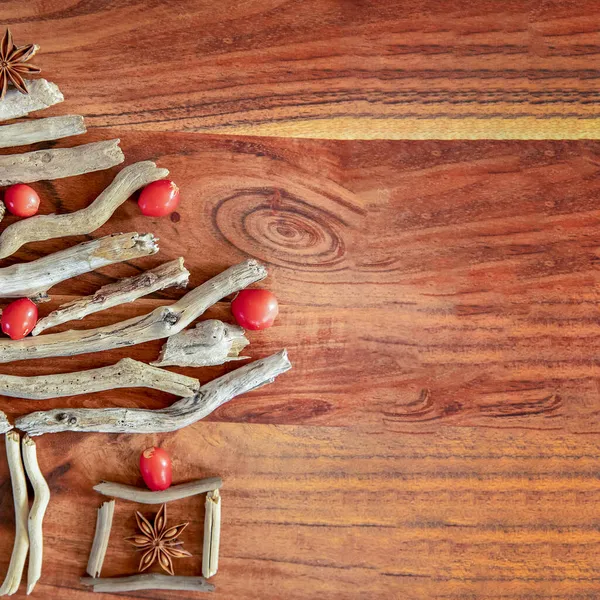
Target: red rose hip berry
159 198
19 318
21 200
255 309
155 466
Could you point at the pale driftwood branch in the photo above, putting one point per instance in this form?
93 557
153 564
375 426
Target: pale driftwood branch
100 544
86 220
126 373
212 534
211 342
148 581
2 210
40 130
36 514
59 162
38 276
19 487
180 414
120 292
42 94
4 424
175 492
162 322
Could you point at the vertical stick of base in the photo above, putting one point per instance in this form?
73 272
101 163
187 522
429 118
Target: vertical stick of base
36 515
19 487
103 527
212 534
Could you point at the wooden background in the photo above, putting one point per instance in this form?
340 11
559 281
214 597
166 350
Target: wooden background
386 69
437 437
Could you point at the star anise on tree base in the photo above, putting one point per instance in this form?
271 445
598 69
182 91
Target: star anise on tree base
158 542
12 64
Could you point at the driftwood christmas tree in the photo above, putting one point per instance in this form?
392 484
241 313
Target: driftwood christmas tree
211 342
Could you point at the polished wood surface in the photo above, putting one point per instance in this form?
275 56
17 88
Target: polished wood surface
323 68
437 436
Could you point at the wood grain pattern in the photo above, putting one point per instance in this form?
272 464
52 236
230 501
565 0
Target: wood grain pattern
323 68
436 437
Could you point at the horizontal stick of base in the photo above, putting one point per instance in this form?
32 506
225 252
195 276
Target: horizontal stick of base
148 581
172 273
38 276
40 130
175 492
43 165
42 94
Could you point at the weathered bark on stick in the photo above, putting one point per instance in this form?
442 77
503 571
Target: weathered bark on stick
124 374
211 342
42 94
86 220
57 163
35 278
121 292
40 130
180 414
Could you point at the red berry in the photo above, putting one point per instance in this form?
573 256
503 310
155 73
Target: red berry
159 198
155 466
255 309
19 318
21 200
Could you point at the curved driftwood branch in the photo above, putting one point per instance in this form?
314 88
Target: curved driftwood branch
120 292
126 373
19 486
42 94
212 534
40 130
59 162
86 220
160 323
211 342
180 414
38 276
100 545
175 492
36 515
148 581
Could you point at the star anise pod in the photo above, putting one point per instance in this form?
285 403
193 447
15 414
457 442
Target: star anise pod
158 542
12 64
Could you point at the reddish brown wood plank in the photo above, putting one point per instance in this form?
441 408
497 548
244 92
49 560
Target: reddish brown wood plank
323 68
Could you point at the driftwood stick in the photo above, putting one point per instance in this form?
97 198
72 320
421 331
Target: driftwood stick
120 292
36 514
19 487
42 94
59 162
212 534
175 492
211 342
38 276
40 130
148 581
99 546
126 373
5 426
180 414
86 220
160 323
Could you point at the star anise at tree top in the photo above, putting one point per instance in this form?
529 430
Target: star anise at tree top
12 64
158 542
